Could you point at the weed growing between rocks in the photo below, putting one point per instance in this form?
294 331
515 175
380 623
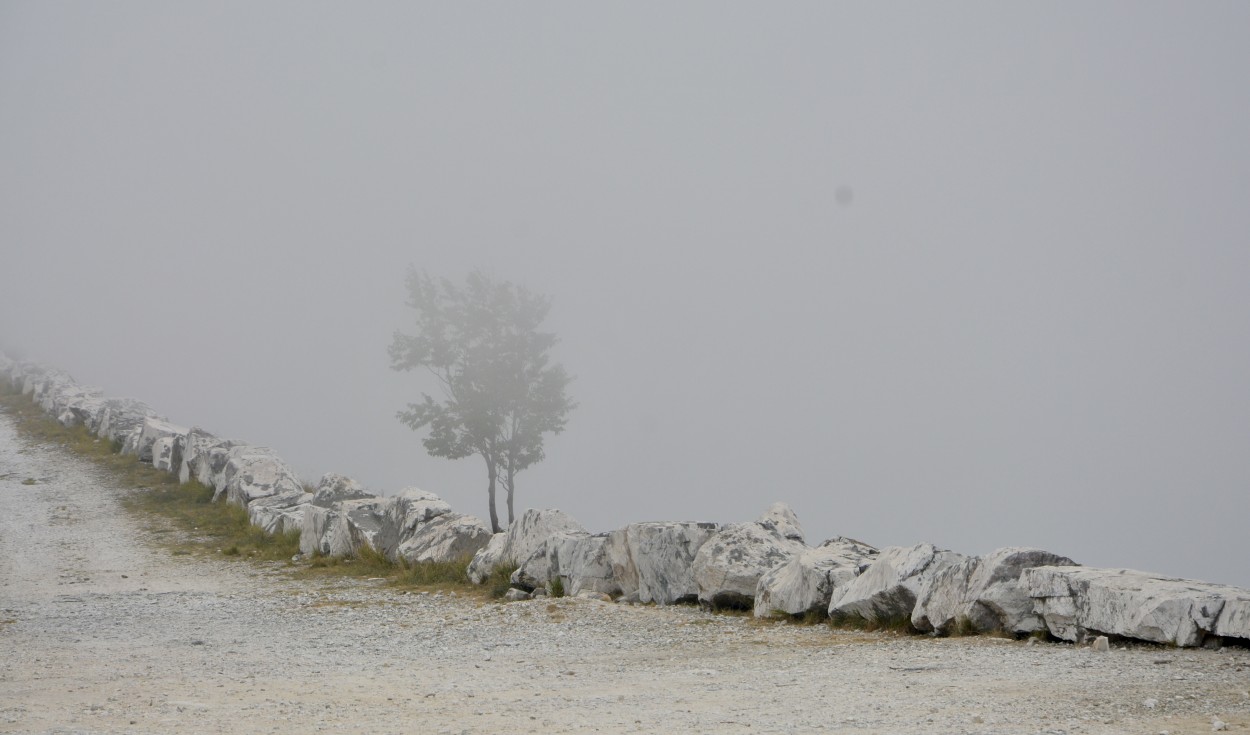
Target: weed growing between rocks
500 580
557 586
894 624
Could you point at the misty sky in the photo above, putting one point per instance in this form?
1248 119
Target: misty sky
975 274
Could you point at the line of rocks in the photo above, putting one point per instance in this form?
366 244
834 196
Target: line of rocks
764 565
336 518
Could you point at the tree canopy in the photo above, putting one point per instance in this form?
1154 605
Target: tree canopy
501 393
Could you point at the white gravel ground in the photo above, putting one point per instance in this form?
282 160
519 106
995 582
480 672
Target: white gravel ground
102 632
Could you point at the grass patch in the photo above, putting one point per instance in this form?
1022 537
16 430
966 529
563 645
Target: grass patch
500 580
435 574
557 586
894 624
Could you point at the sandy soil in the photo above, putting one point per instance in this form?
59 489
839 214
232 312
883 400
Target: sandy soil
103 631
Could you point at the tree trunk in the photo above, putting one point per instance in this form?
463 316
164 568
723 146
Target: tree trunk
510 486
490 492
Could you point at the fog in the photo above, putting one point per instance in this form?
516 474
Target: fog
974 274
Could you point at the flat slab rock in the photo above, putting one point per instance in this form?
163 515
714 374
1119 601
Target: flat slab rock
1079 602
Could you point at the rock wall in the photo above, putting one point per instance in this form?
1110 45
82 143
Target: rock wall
764 565
339 518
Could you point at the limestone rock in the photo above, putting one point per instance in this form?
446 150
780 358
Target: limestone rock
983 594
405 512
782 520
314 536
581 561
354 523
806 582
1076 602
886 591
122 416
255 472
539 568
280 513
488 557
443 538
520 541
600 563
151 430
516 595
193 452
163 453
334 487
662 555
592 595
728 567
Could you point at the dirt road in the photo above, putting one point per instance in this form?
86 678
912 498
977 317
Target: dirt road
103 631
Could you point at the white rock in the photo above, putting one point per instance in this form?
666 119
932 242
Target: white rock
203 457
887 589
163 453
983 593
140 443
1078 601
516 595
406 511
445 538
334 487
663 558
806 582
122 416
782 520
523 537
1101 644
592 595
354 523
728 566
280 513
314 537
256 472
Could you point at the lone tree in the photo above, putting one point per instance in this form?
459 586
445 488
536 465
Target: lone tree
501 392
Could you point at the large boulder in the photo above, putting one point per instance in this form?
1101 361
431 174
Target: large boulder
662 556
444 538
1080 602
255 472
523 537
152 429
121 417
405 512
354 523
334 487
886 591
317 531
806 582
983 594
728 566
280 513
204 458
597 563
76 405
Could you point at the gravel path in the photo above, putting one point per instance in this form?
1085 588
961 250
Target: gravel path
103 632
